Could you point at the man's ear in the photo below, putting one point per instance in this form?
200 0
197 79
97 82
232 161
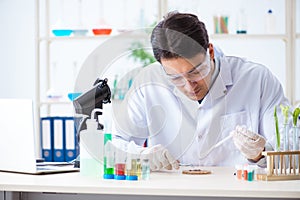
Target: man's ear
211 51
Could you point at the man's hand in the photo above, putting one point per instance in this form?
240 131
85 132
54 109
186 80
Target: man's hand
159 158
249 143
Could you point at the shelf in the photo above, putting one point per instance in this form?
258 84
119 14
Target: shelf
249 36
128 35
64 38
212 36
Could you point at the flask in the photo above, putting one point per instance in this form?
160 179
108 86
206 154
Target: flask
91 149
241 22
270 25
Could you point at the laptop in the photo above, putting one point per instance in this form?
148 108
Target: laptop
17 140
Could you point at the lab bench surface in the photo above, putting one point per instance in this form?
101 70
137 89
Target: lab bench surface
221 184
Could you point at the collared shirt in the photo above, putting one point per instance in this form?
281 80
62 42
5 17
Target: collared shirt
214 75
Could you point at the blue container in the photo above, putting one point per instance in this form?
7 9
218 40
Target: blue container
80 32
73 96
61 32
119 177
132 178
108 176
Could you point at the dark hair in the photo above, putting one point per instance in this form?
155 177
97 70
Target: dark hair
179 35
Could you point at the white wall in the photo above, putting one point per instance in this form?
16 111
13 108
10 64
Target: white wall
17 35
17 49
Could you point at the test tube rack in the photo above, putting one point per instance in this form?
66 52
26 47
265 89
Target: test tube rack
282 165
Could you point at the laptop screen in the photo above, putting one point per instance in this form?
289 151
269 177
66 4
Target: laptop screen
17 144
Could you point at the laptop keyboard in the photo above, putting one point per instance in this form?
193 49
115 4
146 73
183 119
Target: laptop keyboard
39 168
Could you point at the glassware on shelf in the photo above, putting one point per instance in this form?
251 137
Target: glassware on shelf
102 31
270 22
73 95
80 32
241 22
102 28
220 24
124 27
59 28
62 32
79 29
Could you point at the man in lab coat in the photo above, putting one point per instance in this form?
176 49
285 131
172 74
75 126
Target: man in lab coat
192 99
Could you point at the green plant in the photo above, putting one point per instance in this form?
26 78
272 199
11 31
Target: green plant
285 112
295 116
277 129
139 54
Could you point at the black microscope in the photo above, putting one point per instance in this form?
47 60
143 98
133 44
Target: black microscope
98 95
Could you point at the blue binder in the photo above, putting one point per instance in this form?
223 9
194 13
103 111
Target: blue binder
47 138
59 139
71 144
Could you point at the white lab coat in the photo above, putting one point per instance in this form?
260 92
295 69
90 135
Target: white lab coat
244 93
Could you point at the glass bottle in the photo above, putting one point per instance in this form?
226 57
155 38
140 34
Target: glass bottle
270 25
241 22
145 169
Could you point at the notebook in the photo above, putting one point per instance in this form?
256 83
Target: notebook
17 140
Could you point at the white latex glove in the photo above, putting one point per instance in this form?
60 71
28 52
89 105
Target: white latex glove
159 158
249 143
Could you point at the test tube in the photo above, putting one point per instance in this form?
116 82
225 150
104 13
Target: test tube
250 173
296 148
245 172
120 163
108 158
131 168
145 169
239 172
286 147
260 174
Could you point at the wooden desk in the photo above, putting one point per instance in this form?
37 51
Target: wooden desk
162 185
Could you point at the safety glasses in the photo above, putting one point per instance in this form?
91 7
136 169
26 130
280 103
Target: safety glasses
198 73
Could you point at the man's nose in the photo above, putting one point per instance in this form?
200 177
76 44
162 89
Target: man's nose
190 84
